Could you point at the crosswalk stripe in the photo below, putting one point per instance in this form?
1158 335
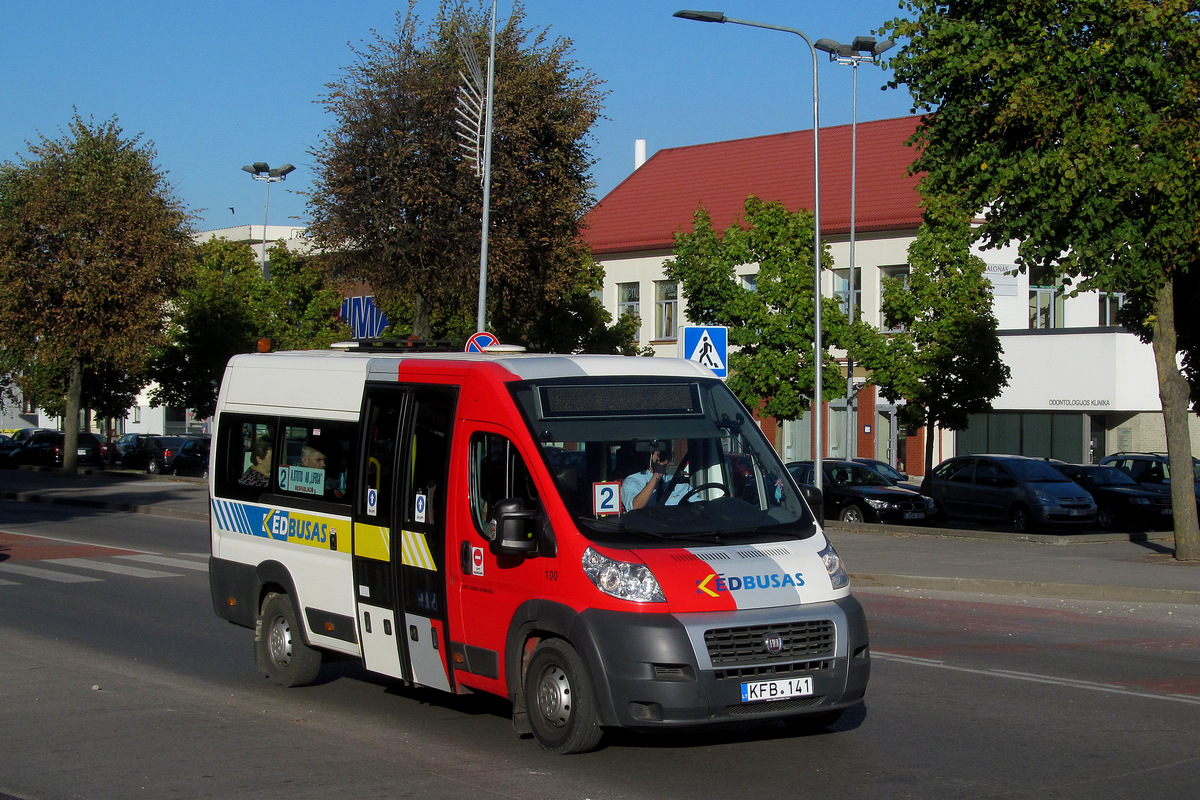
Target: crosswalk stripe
47 574
178 563
108 566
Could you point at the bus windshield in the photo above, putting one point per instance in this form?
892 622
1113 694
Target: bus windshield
661 460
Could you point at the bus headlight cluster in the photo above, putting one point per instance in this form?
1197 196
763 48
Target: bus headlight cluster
833 564
621 579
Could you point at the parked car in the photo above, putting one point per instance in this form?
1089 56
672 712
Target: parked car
45 449
127 442
1026 493
1151 470
192 458
889 473
155 454
856 493
7 444
1121 501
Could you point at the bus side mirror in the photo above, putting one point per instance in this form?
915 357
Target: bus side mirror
816 502
514 529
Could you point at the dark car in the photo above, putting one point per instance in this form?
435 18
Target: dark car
192 458
1122 501
857 493
45 449
126 442
889 473
1023 492
1152 470
7 444
155 454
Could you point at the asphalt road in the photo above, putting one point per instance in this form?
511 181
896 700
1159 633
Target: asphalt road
123 683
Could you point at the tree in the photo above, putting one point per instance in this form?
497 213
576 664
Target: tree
91 243
772 325
1073 125
226 306
396 204
944 360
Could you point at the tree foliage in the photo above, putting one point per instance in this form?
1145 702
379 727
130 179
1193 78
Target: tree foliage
1073 125
772 324
396 205
226 306
91 244
944 359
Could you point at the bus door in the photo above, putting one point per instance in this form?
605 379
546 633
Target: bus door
400 532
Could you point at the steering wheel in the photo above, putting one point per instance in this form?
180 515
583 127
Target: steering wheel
701 488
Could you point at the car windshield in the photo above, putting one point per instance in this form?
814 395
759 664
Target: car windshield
1030 471
718 480
1110 476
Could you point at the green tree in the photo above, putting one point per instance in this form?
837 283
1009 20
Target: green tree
1073 126
771 325
91 243
944 360
396 204
226 306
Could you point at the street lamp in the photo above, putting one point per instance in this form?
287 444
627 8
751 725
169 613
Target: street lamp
863 48
818 348
262 172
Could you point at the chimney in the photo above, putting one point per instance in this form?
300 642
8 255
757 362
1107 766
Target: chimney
639 152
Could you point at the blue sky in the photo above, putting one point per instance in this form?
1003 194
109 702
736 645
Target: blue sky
215 84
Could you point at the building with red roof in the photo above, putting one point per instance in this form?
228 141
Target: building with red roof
1081 387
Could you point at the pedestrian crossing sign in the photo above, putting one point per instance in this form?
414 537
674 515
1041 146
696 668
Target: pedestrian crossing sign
708 346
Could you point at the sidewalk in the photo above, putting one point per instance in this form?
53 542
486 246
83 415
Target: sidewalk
1107 567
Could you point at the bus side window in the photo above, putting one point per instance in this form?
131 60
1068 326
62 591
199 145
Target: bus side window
245 457
497 473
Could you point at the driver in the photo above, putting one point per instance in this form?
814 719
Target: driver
646 488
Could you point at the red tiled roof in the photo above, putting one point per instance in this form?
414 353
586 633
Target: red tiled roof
646 210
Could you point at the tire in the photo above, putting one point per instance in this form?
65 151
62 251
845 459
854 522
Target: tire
851 513
279 646
152 466
1105 518
560 701
1020 519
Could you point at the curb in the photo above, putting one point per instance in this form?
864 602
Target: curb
1016 588
105 505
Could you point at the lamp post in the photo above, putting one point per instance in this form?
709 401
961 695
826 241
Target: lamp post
261 171
818 347
863 48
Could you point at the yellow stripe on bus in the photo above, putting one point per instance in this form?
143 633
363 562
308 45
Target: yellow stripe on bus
416 551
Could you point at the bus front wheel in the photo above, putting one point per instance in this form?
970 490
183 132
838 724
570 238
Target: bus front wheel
560 701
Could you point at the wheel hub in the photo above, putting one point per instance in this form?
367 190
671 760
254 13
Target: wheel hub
554 697
280 639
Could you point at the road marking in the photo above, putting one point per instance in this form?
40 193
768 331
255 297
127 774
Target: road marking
46 574
178 563
109 566
1031 677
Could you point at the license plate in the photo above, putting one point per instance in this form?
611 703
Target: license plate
81 451
1165 511
1077 512
913 515
777 690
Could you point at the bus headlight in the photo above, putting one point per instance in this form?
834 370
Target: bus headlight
833 564
622 579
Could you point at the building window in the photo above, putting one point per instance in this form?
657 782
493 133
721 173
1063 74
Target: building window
1110 304
628 297
1046 307
750 282
898 273
842 289
666 294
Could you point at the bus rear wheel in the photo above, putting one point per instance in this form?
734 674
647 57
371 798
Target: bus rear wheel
279 646
560 701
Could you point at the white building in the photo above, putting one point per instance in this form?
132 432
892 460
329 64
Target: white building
1080 388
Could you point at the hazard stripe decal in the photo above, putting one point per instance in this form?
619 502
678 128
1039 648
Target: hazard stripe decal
416 551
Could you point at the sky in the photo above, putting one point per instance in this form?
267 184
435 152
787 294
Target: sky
216 84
